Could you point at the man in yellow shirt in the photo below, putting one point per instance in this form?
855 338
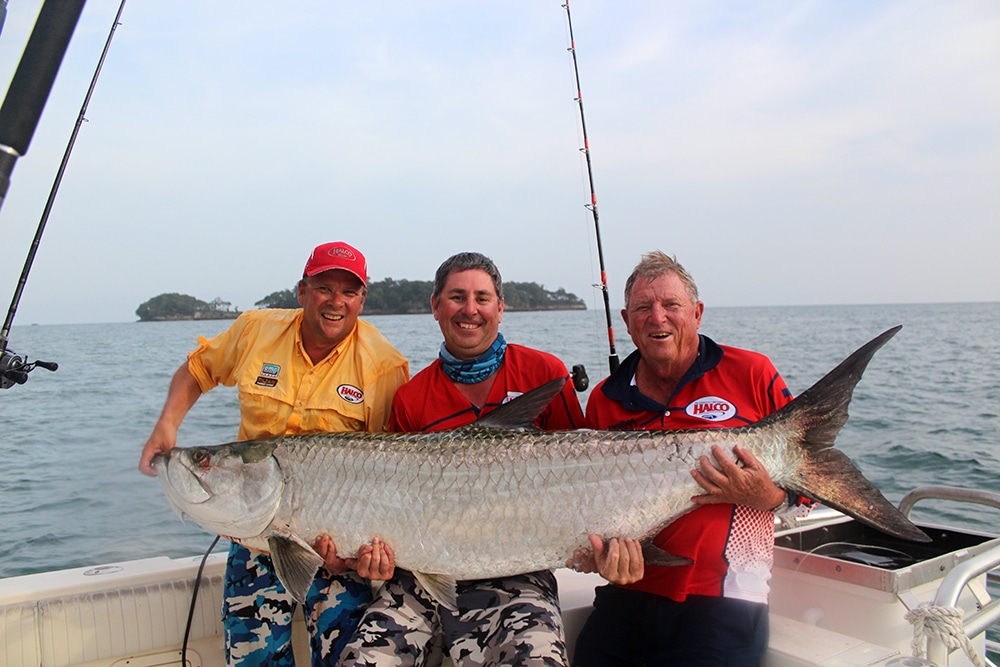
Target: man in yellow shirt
318 368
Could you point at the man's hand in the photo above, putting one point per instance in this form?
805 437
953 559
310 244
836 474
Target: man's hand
375 561
727 482
157 444
621 563
325 547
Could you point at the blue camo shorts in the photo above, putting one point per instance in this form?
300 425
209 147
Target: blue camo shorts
257 613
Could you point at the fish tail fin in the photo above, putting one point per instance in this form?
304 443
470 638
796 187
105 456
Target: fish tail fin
828 475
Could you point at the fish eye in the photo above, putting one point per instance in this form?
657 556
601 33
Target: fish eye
201 457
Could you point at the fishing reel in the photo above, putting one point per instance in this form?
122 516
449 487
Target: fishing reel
580 379
14 369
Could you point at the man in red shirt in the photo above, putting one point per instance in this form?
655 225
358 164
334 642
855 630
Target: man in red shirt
714 611
506 621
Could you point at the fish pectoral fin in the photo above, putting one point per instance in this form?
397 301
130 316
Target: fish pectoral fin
654 555
441 587
295 563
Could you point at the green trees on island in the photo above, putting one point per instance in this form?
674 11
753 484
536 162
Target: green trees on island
391 296
174 306
532 296
386 297
286 298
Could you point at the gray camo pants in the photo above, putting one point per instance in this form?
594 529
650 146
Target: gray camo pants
509 621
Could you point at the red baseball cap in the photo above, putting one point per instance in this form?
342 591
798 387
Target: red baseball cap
337 255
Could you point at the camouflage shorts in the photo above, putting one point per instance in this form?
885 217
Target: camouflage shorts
257 613
509 621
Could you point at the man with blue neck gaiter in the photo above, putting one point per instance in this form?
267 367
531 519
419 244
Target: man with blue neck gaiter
506 621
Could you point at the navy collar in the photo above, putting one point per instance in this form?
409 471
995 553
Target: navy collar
619 385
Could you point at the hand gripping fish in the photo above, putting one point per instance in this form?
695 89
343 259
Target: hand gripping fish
499 498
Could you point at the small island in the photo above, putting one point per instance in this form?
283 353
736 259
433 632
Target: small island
174 306
386 297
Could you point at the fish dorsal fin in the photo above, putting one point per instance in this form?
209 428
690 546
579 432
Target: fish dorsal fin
295 563
521 412
441 587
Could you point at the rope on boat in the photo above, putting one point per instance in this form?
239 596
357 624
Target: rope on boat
943 624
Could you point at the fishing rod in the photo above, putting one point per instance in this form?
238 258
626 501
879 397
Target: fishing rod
22 109
603 286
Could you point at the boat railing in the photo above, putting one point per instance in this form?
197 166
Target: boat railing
978 497
963 574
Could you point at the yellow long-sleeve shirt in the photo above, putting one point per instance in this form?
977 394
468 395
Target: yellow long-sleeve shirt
281 391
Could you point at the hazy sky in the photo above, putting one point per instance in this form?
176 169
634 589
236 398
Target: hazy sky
787 152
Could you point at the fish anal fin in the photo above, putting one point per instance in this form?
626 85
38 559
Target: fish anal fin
441 587
295 563
654 555
830 477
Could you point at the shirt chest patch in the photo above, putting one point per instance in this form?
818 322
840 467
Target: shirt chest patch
350 393
711 408
511 395
268 376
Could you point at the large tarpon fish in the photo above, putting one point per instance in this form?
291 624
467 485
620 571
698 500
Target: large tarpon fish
491 500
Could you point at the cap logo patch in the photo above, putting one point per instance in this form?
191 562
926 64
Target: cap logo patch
342 252
350 393
711 408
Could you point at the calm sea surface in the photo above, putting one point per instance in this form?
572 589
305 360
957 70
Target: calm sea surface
926 412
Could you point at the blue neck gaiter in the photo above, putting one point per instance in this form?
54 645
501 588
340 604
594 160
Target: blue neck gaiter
471 371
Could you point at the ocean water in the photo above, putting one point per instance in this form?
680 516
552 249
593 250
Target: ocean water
926 412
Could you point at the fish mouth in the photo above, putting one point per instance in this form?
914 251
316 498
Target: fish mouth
181 489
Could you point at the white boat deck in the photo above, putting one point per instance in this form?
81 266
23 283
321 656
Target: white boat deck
825 611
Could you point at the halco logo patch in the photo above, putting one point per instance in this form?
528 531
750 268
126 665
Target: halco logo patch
711 408
350 393
268 375
342 252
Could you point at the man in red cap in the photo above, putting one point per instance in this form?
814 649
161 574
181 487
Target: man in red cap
316 368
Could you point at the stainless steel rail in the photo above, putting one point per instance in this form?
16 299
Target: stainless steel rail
977 497
962 574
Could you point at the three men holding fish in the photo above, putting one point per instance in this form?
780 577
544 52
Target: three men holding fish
296 371
322 369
